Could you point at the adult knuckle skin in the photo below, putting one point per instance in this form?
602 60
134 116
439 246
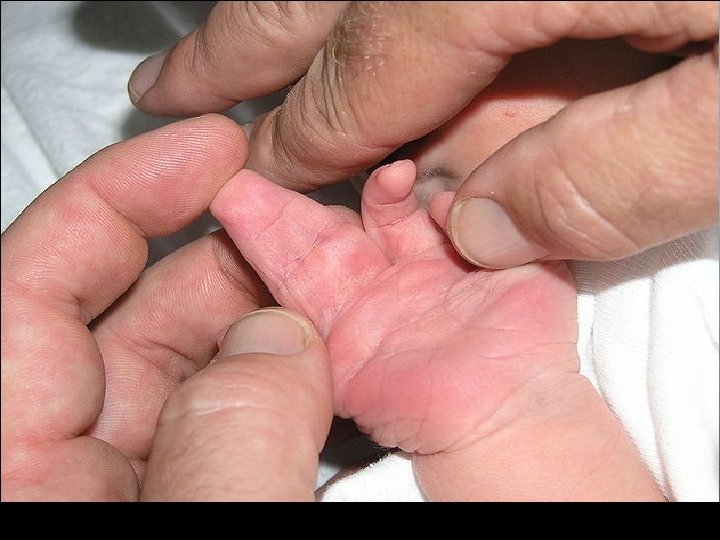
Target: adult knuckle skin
352 72
269 22
319 119
364 58
575 222
698 19
353 47
244 393
340 114
243 24
361 31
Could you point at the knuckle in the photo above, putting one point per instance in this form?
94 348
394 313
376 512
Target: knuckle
246 394
361 32
320 117
574 218
269 25
355 56
268 21
331 101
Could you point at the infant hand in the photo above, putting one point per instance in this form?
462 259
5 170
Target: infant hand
428 353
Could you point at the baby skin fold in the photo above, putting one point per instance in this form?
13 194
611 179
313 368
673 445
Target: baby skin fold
473 371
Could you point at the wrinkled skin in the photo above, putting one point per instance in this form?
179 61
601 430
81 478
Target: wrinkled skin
428 353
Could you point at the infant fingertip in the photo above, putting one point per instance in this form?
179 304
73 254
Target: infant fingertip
231 202
391 183
440 204
397 179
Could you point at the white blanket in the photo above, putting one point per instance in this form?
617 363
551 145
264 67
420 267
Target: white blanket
648 325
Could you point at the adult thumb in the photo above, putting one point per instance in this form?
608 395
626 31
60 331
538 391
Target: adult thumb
250 426
611 175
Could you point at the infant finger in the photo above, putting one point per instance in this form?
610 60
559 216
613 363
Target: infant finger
392 214
303 251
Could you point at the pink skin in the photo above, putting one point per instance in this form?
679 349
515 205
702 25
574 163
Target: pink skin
428 353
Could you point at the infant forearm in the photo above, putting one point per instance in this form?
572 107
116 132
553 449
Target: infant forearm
572 448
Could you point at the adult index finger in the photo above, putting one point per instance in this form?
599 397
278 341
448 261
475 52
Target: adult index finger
244 50
77 248
392 72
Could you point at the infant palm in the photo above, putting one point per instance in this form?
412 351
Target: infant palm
428 353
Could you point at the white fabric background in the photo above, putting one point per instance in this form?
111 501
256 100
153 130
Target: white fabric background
648 324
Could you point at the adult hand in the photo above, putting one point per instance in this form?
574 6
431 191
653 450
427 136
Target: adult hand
611 175
93 345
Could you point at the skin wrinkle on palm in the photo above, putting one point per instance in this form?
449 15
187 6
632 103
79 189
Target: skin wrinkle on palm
507 108
432 163
503 111
413 292
425 382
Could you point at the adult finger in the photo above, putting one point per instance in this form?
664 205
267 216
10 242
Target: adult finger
385 61
77 248
610 176
164 330
244 50
250 426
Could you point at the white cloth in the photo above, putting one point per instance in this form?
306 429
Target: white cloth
648 324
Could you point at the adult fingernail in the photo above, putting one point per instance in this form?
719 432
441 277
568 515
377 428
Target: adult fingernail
145 75
267 330
485 235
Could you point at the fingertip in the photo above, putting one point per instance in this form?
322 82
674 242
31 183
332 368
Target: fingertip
228 205
224 123
397 179
440 204
213 137
395 182
271 330
144 77
173 83
485 235
231 137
